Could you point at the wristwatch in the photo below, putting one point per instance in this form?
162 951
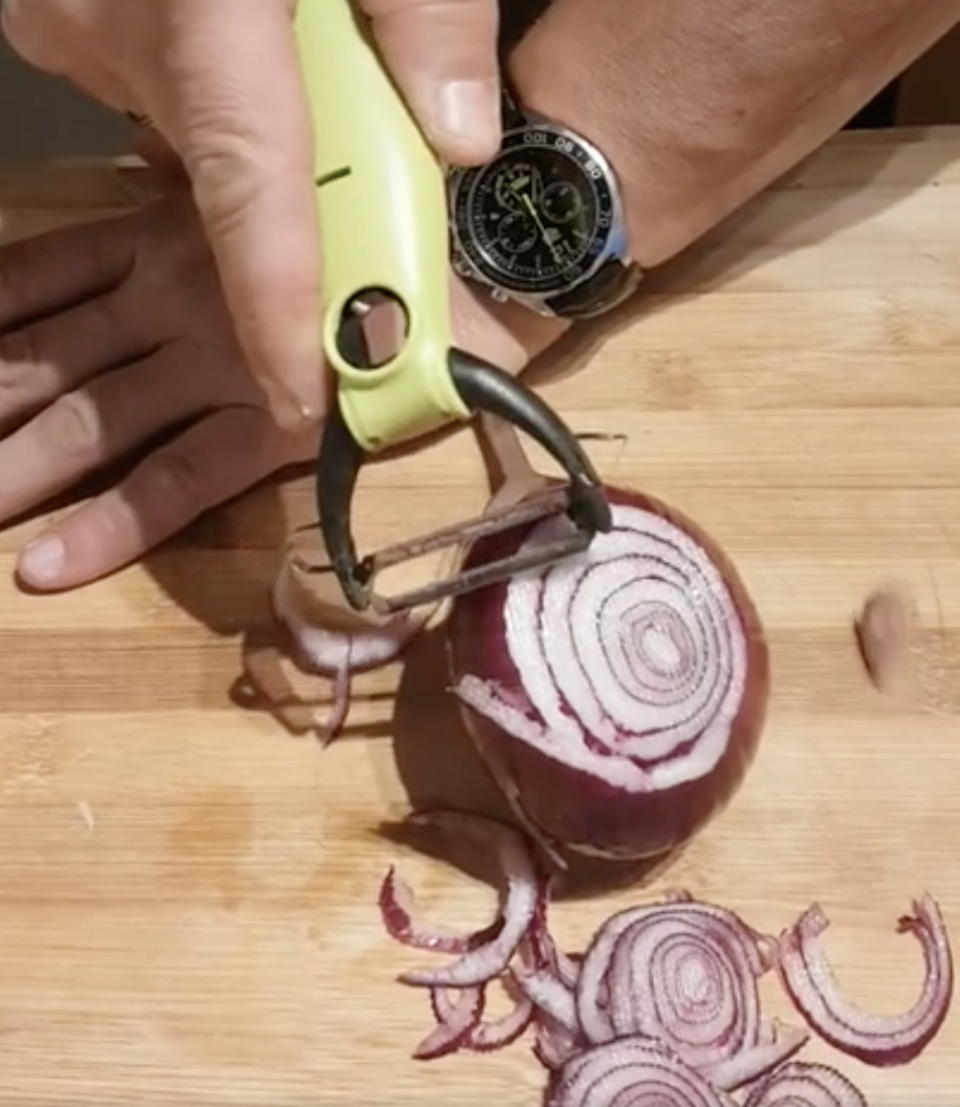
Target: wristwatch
542 222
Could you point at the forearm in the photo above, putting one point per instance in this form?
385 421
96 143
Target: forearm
701 104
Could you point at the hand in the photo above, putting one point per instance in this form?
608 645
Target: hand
220 80
114 333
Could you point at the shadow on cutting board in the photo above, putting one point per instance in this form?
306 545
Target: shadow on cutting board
438 767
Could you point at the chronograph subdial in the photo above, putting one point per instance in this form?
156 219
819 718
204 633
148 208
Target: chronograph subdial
516 232
514 182
561 202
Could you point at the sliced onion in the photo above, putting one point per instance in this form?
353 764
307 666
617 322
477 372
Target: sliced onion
544 951
328 636
631 1072
554 1044
551 997
496 1034
800 1084
619 696
881 1040
398 911
328 639
776 1043
684 973
484 963
458 1014
664 1007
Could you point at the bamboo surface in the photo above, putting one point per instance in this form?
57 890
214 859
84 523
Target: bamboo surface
188 893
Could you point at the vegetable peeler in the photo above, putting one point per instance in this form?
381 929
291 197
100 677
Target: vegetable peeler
384 242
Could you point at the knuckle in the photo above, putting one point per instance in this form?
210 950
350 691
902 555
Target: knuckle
19 357
173 478
229 179
71 428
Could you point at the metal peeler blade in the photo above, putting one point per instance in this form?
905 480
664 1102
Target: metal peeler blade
580 501
552 503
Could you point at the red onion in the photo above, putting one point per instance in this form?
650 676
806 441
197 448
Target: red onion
460 1024
333 641
554 1044
329 636
800 1084
457 1014
398 910
485 1037
881 1040
631 1071
685 974
664 1006
618 697
484 962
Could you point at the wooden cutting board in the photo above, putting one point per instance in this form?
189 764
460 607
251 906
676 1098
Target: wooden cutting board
188 894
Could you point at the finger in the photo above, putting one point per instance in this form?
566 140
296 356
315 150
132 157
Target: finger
211 462
60 268
443 55
97 424
240 122
56 355
48 48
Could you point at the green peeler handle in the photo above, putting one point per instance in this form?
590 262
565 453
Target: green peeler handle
382 209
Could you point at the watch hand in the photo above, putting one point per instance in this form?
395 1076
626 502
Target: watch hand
543 231
536 185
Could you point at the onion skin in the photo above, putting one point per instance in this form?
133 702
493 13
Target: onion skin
566 808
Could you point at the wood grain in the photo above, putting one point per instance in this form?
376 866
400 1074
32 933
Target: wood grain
187 893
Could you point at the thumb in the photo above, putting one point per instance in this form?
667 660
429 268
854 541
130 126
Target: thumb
443 56
231 104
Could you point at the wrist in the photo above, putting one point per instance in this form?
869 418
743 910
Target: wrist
699 105
557 72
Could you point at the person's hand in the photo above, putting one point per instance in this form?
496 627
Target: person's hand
220 81
113 334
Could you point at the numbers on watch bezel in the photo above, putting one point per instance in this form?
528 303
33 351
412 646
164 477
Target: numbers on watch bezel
572 163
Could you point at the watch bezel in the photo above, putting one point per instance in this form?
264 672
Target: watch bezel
470 258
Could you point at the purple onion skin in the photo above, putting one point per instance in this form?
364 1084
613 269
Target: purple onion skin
574 811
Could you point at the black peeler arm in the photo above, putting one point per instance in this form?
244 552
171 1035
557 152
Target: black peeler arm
483 388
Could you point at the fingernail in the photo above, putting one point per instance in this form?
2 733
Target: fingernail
43 559
468 113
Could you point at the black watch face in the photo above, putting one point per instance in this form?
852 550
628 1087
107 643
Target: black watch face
538 216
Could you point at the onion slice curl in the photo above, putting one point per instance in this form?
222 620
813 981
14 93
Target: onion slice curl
484 962
880 1040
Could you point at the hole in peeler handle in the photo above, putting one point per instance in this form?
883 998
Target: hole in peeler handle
374 327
